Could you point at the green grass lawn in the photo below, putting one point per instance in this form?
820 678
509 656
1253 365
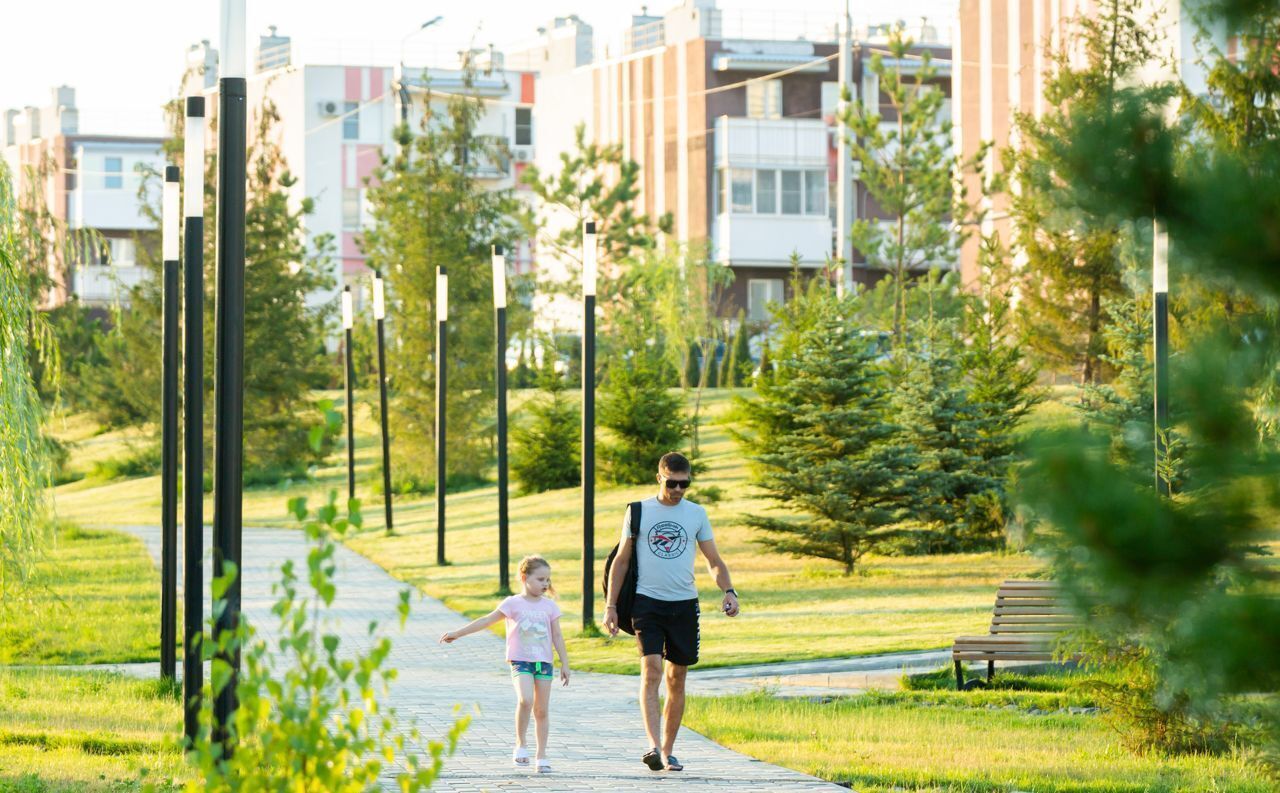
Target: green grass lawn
948 742
94 599
74 732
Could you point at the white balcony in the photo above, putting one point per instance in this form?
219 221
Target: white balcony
106 285
770 240
782 143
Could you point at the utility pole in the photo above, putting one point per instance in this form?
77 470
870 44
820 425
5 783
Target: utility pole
1160 326
844 165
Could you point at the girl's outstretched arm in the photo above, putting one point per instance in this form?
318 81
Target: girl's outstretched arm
473 626
558 639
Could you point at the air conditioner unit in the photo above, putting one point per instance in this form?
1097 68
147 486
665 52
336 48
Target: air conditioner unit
330 108
522 153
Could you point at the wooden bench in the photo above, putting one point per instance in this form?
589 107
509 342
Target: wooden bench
1027 620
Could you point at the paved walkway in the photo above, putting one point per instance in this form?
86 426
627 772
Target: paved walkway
596 738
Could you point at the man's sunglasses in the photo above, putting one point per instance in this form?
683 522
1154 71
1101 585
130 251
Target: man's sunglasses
683 484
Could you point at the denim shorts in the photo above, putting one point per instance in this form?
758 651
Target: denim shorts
541 670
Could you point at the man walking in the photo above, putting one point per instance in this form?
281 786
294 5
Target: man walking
665 613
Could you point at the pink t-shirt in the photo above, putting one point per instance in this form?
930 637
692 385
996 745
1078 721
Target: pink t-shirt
529 627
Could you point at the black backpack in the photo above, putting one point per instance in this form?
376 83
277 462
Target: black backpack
627 596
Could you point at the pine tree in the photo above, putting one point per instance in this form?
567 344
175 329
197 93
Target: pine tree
645 420
430 210
1072 247
908 169
546 450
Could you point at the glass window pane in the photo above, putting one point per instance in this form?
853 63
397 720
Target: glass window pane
760 293
114 169
764 99
815 192
791 193
524 126
351 121
742 183
351 208
767 192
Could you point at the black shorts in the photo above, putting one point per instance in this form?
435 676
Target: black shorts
668 628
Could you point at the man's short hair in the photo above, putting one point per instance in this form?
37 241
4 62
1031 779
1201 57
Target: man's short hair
673 463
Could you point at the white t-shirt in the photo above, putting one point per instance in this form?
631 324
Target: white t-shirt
666 547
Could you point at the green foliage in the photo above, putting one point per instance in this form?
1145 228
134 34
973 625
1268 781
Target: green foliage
141 461
908 169
821 437
23 451
645 420
310 718
284 338
77 331
546 448
1072 245
430 209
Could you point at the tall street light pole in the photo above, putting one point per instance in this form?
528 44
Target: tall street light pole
1160 323
400 86
169 428
193 411
500 332
442 471
588 422
348 322
380 316
844 169
228 432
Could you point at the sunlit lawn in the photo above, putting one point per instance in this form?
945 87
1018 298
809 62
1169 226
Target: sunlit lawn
83 731
95 598
949 741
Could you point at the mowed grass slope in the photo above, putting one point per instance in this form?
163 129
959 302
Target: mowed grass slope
792 608
95 598
74 732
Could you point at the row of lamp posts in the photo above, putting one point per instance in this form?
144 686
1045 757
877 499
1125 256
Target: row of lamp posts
229 389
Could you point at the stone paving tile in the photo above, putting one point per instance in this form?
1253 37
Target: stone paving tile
596 737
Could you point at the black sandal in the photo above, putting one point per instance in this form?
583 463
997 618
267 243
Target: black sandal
673 764
653 760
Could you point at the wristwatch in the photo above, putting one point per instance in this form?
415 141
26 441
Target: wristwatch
731 591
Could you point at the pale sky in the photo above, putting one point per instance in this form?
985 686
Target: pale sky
124 58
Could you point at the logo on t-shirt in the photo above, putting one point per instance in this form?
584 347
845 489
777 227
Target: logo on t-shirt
667 539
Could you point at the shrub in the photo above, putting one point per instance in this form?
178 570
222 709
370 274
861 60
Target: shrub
546 452
646 420
144 461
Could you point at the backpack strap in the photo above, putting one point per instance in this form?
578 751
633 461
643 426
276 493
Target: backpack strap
635 519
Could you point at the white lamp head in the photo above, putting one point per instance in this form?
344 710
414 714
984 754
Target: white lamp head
499 278
379 297
442 295
589 258
169 215
232 58
348 309
1160 259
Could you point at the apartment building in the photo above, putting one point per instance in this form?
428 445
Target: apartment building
732 120
90 182
337 122
1004 53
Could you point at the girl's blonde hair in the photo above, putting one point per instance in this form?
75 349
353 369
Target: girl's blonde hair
533 562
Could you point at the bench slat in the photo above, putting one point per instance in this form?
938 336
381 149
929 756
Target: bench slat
1035 610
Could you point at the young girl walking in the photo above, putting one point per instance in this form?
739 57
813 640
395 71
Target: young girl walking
533 626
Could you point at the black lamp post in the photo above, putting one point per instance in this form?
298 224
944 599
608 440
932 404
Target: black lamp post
228 428
1160 327
442 318
500 332
588 422
193 410
348 322
380 316
169 427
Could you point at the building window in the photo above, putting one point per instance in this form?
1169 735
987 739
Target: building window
524 126
815 192
792 195
766 192
764 99
760 293
115 173
123 252
737 183
351 208
351 121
